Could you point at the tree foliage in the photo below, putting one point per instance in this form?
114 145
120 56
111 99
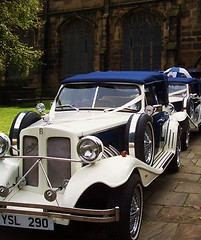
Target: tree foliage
18 18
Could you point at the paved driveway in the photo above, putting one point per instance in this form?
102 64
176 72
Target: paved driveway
173 202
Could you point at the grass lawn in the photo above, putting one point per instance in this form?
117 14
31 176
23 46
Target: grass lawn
8 114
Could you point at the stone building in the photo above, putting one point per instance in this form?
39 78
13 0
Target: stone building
91 35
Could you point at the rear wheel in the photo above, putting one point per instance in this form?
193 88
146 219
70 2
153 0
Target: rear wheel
129 198
185 134
175 164
21 121
190 108
199 129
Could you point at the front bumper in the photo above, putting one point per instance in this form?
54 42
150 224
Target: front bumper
57 212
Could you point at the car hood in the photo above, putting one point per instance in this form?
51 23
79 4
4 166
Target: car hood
82 122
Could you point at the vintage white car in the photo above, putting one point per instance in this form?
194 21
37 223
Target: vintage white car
107 135
184 94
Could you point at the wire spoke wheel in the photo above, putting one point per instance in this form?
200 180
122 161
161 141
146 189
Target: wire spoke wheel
135 212
129 199
148 144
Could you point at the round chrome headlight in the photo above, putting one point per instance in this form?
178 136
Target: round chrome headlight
40 107
149 110
170 108
4 144
90 149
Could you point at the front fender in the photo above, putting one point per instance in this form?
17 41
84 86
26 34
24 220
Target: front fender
112 172
8 171
180 116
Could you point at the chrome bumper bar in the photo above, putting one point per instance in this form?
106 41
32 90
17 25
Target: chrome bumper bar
75 214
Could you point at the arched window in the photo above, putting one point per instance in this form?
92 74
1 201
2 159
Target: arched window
77 47
142 42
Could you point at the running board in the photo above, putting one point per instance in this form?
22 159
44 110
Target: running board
150 173
163 159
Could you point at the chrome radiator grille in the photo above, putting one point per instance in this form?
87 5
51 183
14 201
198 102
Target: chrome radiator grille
57 171
30 148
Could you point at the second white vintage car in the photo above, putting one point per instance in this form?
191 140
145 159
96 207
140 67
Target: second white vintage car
185 95
107 135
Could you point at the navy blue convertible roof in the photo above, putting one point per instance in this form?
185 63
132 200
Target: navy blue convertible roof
183 80
141 77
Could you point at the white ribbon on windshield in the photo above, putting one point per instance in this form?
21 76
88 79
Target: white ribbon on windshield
177 92
128 104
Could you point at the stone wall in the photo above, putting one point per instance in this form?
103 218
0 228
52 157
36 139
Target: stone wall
180 27
190 47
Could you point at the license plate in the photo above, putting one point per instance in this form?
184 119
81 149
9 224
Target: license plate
23 221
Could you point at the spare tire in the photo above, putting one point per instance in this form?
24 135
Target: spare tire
21 121
142 137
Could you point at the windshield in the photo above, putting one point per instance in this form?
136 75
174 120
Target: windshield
177 89
99 96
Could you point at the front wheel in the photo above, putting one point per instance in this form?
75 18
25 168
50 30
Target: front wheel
129 198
